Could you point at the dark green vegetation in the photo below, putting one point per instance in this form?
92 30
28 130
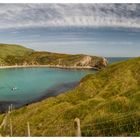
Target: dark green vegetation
107 103
17 55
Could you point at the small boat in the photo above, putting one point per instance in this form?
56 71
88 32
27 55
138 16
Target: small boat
14 88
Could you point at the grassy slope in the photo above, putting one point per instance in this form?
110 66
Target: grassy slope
107 103
56 58
16 54
12 50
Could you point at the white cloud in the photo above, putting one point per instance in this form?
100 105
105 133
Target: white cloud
69 15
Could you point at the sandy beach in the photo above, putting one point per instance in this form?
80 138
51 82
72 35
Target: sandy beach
49 66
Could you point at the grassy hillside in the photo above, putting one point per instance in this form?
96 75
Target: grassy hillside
61 59
18 55
107 104
12 51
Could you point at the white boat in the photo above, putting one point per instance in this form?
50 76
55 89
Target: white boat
14 88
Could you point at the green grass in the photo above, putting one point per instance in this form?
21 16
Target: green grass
11 53
12 49
107 104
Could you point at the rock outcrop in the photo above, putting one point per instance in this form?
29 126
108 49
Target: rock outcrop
91 62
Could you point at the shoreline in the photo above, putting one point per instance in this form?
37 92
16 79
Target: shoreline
48 66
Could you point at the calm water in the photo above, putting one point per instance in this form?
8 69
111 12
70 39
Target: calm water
32 83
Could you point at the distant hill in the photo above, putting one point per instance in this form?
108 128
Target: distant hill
107 104
18 55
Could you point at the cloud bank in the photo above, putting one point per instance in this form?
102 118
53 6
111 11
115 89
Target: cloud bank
69 15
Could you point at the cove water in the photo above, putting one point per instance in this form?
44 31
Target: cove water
27 84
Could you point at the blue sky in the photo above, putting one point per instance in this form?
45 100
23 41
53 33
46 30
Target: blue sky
96 29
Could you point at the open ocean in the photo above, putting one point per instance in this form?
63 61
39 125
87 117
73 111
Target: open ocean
116 59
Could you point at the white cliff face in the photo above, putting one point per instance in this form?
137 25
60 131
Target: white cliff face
86 60
105 62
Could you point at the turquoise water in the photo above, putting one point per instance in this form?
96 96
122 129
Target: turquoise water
32 83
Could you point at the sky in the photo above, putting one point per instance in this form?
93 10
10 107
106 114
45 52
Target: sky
110 30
